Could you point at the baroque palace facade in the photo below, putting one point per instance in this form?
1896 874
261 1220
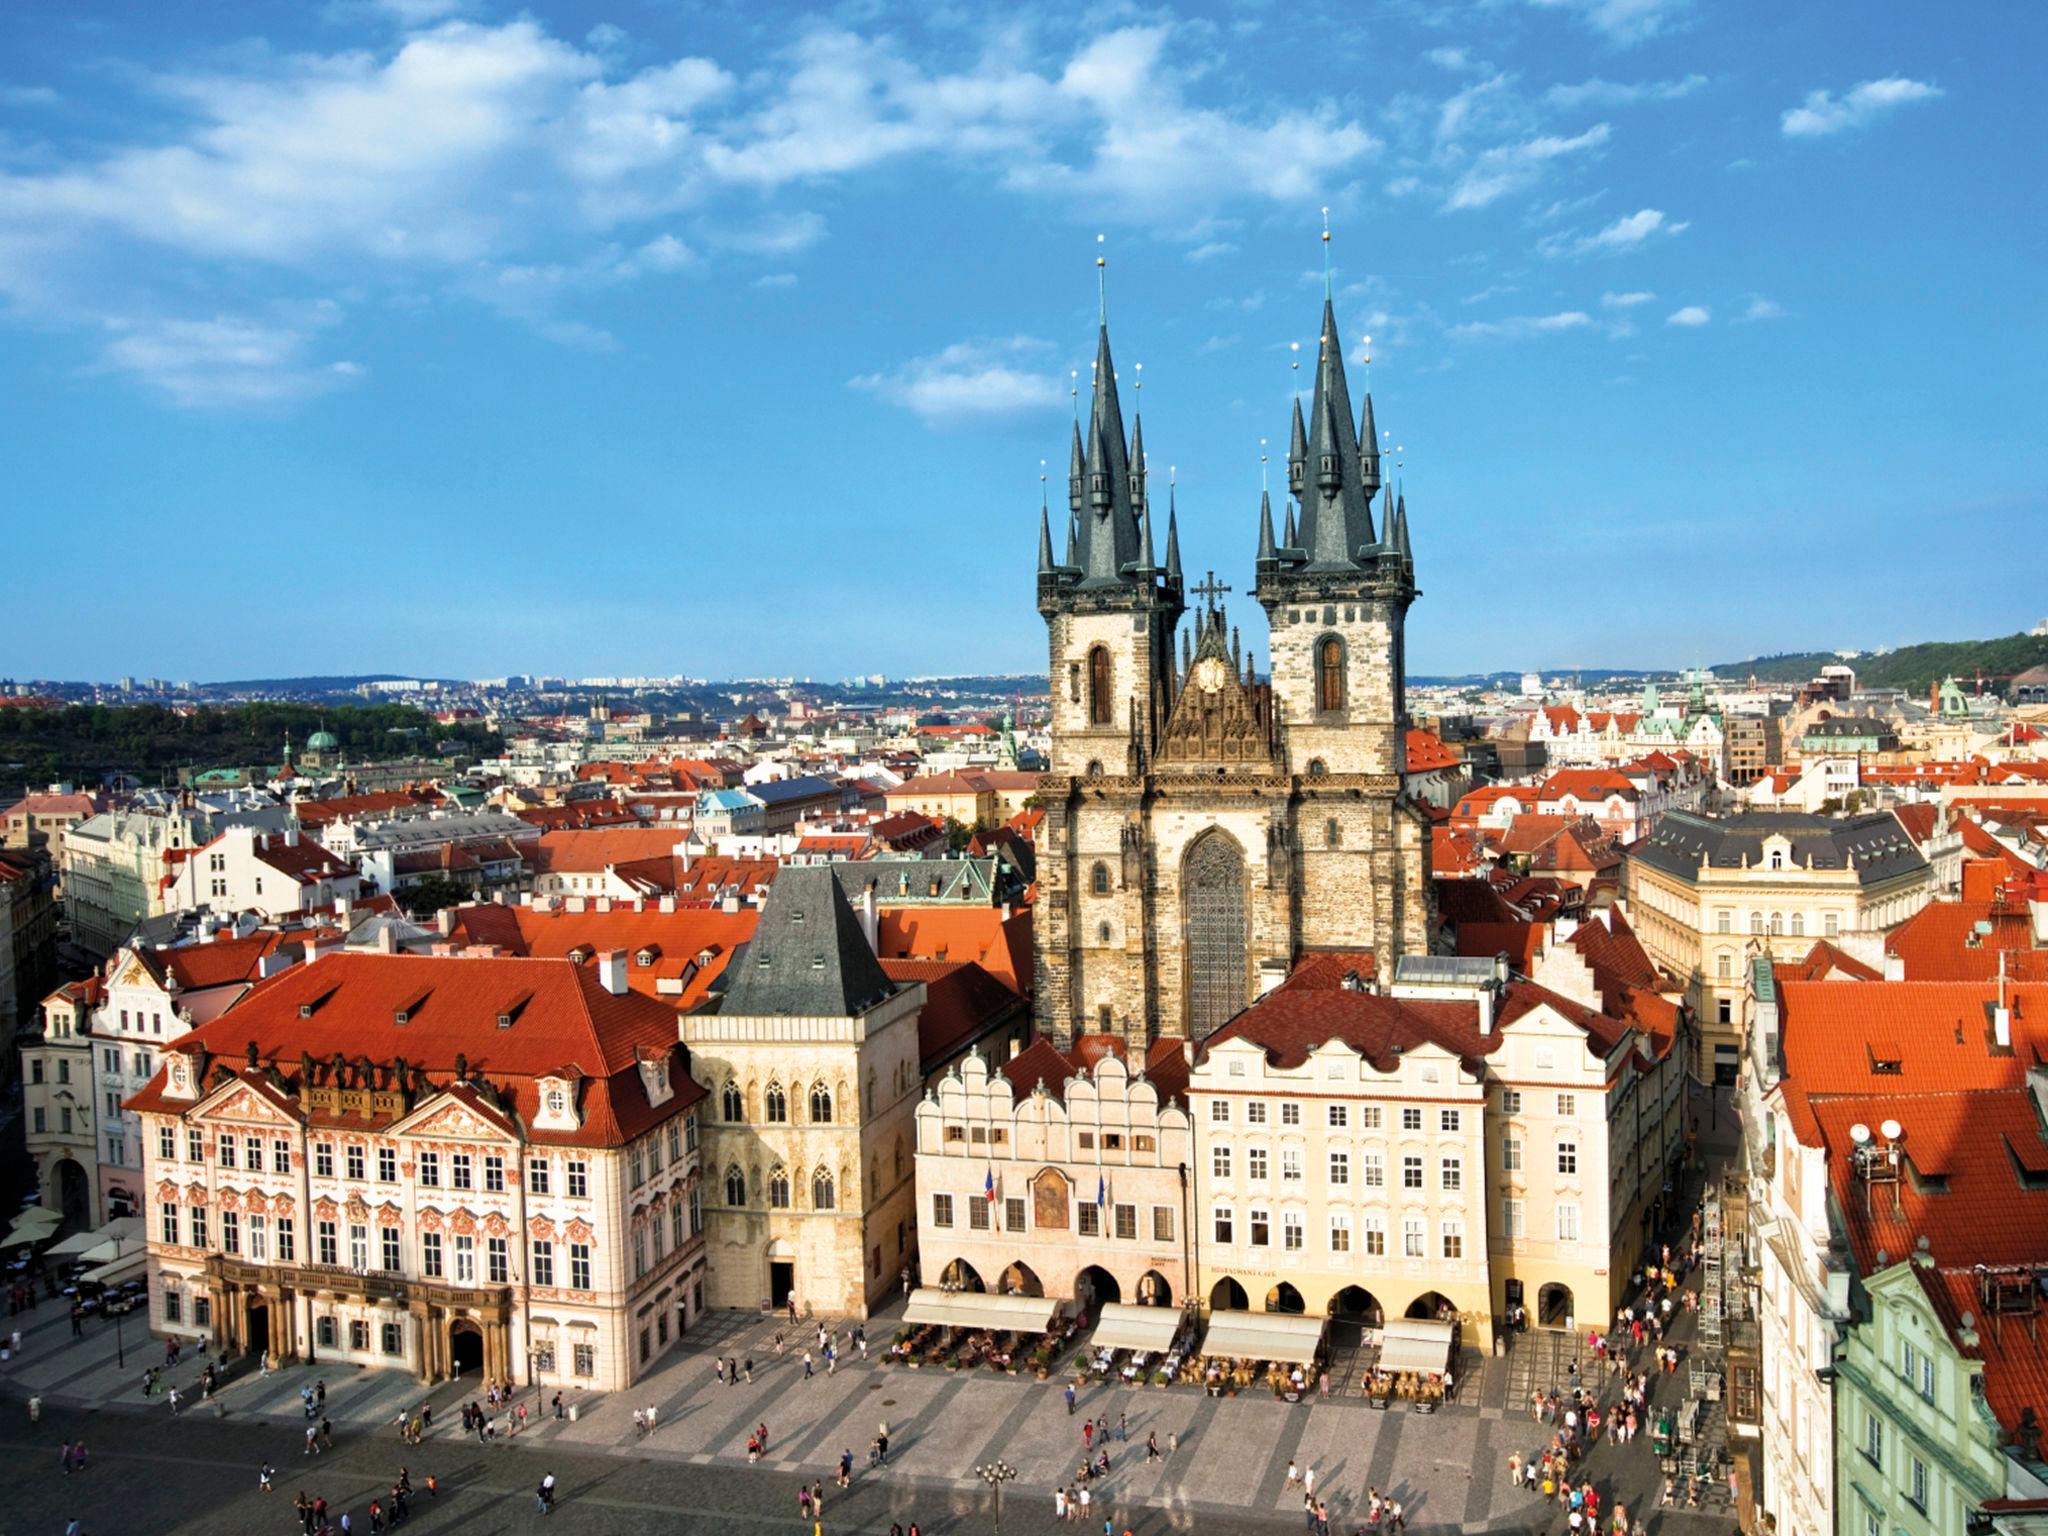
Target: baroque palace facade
1203 827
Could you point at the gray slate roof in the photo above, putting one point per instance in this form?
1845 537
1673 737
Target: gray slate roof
1880 845
808 958
782 791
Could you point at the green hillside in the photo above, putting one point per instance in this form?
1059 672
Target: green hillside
1911 667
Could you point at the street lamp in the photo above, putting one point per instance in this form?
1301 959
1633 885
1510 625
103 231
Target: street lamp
995 1474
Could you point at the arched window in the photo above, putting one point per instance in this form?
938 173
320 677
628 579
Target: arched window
1317 768
822 1193
1102 933
776 1103
735 1186
1329 673
899 1157
778 1188
730 1102
821 1104
1798 925
1098 879
1777 923
1756 922
1098 686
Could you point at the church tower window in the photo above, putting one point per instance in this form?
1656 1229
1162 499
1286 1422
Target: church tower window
730 1103
1213 886
1099 878
776 1104
1329 673
1098 686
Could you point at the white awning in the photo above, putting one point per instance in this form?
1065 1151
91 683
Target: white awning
77 1242
1288 1338
1415 1344
119 1269
973 1309
1125 1326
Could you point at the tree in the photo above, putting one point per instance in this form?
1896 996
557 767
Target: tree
957 833
431 895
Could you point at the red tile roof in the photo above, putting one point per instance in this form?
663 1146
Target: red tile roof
1166 1065
1942 941
1826 962
318 813
1904 1037
1427 753
693 944
961 1001
590 852
564 1024
999 945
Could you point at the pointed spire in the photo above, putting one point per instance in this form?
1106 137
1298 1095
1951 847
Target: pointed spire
1297 451
1044 540
1138 462
1145 560
1075 469
1109 524
1172 539
1265 527
1290 544
1397 534
1074 539
1369 450
1335 517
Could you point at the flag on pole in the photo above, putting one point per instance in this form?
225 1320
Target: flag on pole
988 1187
1101 1191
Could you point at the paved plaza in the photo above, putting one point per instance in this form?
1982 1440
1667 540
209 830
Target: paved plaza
1229 1468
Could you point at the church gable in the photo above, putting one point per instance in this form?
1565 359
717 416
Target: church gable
1220 716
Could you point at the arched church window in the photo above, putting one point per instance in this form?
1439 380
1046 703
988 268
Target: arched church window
730 1103
1102 933
1333 834
821 1105
735 1186
823 1195
776 1104
1098 686
1329 673
1095 769
1317 768
778 1188
1099 879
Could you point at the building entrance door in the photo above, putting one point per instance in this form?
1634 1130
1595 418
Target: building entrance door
259 1327
781 1281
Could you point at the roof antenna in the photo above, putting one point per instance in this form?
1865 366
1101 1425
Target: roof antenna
1102 281
1326 254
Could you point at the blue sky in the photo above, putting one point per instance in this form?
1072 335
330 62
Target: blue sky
459 339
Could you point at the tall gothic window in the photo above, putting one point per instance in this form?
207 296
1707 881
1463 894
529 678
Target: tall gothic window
1329 673
1099 878
822 1192
735 1186
730 1102
778 1188
776 1103
821 1104
1218 934
1098 686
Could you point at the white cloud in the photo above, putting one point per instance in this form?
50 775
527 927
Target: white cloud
1211 250
1824 113
1512 167
970 380
1404 186
223 361
776 280
1691 316
1761 308
1608 93
1456 60
1219 343
1624 234
455 152
1625 300
1522 327
1624 21
28 96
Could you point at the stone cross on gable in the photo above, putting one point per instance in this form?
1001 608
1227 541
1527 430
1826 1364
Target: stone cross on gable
1210 588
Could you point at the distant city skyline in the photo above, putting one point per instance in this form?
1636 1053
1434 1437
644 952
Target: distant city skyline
448 334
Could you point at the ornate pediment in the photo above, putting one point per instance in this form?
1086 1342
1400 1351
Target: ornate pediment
1219 715
240 1101
451 1120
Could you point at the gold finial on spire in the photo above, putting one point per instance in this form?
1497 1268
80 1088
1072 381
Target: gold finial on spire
1102 280
1326 253
1262 466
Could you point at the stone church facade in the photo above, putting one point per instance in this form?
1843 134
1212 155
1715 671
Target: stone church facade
1205 827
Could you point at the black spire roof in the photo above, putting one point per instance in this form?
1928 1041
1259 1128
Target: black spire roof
1336 519
1109 522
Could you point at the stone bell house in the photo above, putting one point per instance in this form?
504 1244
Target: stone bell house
507 1187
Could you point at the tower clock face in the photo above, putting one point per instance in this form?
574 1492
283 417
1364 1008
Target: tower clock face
1209 674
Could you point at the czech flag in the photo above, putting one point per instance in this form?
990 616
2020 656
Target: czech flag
988 1187
1101 1191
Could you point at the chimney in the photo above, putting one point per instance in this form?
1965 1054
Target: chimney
1894 967
2001 1027
668 903
291 836
277 960
870 919
611 971
387 940
444 922
1187 1052
343 906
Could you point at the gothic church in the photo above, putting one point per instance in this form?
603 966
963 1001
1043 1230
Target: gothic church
1205 828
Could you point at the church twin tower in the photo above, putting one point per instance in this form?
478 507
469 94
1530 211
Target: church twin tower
1203 828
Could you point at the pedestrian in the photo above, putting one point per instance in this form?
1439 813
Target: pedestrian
846 1466
750 1370
326 1435
173 1400
547 1494
719 1366
803 1502
1293 1473
1070 1399
808 1373
1308 1481
1088 1435
1123 1428
557 1407
1172 1441
1059 1503
817 1497
263 1477
376 1518
1086 1499
1152 1446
